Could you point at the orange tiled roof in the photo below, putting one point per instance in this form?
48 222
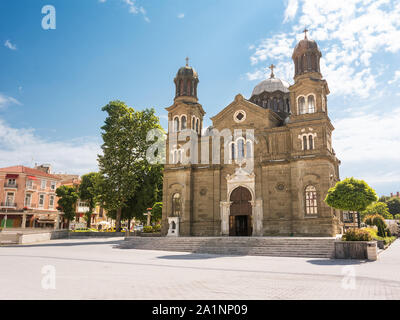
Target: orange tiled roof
29 171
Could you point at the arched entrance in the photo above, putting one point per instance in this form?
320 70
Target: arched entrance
240 223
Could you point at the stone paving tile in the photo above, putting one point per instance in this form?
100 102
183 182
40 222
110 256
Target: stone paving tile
95 269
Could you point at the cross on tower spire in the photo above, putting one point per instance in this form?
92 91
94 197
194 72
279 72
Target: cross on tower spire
305 33
272 71
187 61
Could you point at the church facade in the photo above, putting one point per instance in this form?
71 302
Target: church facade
265 165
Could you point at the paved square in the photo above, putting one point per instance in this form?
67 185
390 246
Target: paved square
97 269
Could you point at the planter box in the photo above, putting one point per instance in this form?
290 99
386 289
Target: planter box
364 250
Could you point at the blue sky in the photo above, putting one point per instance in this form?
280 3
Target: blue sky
54 82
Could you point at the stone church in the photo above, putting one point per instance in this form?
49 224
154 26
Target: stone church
289 148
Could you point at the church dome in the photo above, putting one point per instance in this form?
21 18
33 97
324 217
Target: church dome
303 46
187 72
186 81
271 85
306 57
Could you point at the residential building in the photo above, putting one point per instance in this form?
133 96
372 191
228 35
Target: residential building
28 197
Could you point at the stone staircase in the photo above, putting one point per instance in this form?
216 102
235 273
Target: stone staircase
252 246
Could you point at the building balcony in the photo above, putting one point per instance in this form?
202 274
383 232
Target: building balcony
8 205
30 206
10 185
31 188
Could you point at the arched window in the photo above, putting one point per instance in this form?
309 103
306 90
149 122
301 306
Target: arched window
240 146
281 104
249 150
302 105
275 104
183 123
311 200
176 205
304 142
193 122
323 103
175 157
176 124
181 87
311 104
197 125
233 151
287 106
188 88
310 142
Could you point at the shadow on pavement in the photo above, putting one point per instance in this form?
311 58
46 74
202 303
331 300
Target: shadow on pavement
337 262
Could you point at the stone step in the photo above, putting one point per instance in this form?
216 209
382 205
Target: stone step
261 246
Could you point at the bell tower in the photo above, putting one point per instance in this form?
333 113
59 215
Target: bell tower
186 114
309 92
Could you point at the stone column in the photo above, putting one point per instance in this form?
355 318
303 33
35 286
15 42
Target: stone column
23 224
225 210
257 213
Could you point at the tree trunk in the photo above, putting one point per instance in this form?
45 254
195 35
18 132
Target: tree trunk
89 219
129 228
118 220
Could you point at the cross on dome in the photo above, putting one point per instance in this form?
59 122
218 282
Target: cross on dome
272 71
305 33
187 61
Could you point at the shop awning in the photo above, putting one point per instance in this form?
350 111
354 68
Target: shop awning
12 176
32 178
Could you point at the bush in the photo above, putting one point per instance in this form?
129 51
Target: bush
356 235
374 234
157 228
147 229
375 220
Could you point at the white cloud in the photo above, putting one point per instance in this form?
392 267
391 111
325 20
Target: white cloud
6 101
350 34
135 9
102 1
368 144
25 147
395 78
368 136
291 10
9 45
181 16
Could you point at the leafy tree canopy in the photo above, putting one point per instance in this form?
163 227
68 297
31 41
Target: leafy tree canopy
67 200
157 211
378 208
393 205
88 192
124 154
351 194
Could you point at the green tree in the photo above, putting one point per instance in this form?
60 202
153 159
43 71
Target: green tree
157 211
377 208
124 154
393 205
351 195
147 193
67 201
88 192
